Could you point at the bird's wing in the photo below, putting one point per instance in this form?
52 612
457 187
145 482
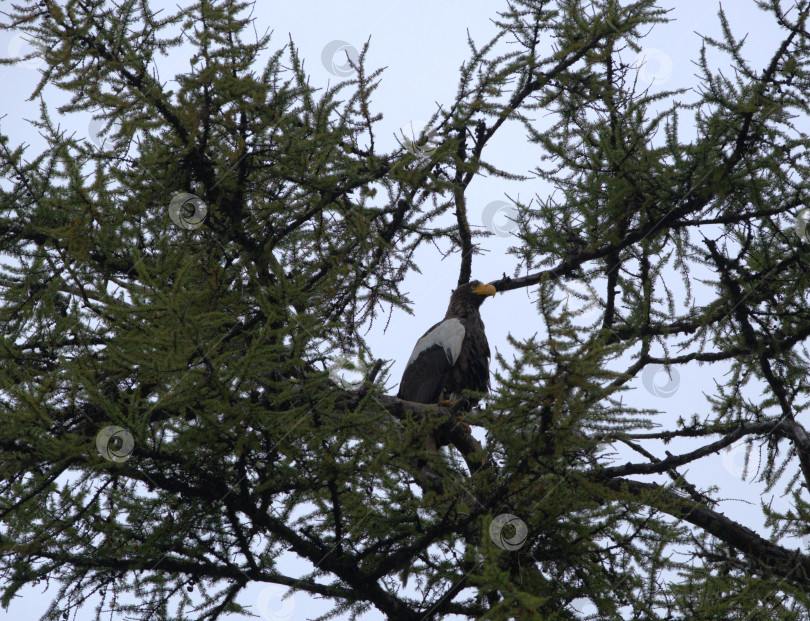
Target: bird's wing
430 363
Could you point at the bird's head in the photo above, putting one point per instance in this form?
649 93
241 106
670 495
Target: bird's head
469 297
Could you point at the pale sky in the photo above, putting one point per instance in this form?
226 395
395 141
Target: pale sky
422 44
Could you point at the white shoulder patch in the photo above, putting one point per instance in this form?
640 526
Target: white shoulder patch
449 334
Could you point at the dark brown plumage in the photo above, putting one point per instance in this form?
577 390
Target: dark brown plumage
453 355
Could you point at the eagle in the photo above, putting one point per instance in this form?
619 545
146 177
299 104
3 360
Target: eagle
453 355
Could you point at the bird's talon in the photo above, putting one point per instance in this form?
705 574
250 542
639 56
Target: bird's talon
461 422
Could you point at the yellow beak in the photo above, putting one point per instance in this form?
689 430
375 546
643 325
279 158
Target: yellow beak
485 290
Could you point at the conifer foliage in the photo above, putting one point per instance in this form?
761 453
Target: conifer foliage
177 301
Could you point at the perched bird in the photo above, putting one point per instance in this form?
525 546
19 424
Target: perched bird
453 355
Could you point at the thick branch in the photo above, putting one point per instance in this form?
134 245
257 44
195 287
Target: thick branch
470 448
766 557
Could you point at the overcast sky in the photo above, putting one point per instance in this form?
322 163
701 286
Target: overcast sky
422 44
